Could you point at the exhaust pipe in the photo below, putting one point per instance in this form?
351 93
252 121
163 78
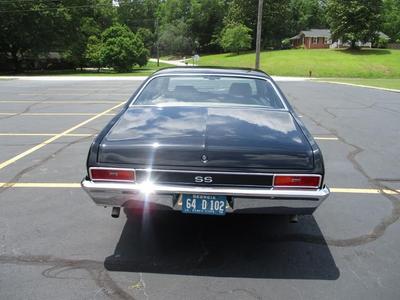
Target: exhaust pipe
115 212
293 219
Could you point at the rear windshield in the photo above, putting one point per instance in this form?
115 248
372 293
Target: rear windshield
206 90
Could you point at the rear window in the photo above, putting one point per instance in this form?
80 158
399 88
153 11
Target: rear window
206 90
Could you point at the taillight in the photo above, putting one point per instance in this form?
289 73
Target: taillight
299 181
112 174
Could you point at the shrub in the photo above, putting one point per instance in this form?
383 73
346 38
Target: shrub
118 47
93 52
235 38
381 43
286 44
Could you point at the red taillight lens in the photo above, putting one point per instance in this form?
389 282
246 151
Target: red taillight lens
105 174
296 181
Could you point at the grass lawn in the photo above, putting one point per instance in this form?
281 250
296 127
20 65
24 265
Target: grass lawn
366 63
376 82
136 71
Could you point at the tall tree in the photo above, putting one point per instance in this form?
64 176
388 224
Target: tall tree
307 14
85 20
30 28
205 22
175 39
276 19
138 13
203 19
355 20
391 19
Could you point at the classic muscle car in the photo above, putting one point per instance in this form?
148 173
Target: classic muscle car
207 141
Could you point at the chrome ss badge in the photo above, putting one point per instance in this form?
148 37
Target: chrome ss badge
201 179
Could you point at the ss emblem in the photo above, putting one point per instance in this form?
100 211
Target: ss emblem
201 179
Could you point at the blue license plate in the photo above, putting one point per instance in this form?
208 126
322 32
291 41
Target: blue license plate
203 204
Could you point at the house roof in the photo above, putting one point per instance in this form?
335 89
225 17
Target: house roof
313 33
326 33
382 35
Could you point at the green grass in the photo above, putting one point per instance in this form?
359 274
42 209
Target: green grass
375 82
366 63
136 71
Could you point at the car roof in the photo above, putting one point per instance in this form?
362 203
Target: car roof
211 70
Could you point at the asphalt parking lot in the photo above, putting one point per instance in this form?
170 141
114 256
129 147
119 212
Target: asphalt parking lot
56 244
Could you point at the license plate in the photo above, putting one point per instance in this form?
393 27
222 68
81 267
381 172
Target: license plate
203 204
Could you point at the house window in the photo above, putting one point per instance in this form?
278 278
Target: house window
315 40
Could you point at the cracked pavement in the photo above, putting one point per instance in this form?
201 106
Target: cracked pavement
56 244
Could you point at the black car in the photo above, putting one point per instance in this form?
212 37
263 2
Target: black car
207 141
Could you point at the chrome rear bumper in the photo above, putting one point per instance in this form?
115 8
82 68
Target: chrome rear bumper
241 200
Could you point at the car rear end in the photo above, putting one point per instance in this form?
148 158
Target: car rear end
275 193
207 158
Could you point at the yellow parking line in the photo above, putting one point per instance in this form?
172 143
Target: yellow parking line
56 137
82 89
77 185
45 134
59 102
39 185
364 191
69 94
52 114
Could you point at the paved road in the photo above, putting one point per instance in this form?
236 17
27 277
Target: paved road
55 244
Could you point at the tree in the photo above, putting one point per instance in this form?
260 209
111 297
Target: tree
74 51
147 37
206 22
391 19
83 23
93 54
307 14
30 28
175 38
122 49
276 19
356 20
202 19
138 13
235 37
235 14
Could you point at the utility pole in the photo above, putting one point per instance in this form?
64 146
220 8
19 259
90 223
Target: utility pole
258 39
157 43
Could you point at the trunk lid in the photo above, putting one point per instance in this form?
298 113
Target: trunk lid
238 137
